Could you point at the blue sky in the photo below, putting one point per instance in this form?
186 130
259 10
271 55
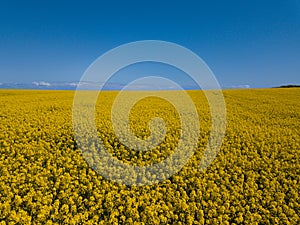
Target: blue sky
253 43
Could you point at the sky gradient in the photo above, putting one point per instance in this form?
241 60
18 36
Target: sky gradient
245 43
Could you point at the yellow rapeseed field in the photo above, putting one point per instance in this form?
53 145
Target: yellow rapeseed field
255 178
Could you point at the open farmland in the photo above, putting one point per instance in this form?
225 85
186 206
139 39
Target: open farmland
255 179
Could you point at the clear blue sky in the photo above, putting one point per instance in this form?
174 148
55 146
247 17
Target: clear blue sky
244 42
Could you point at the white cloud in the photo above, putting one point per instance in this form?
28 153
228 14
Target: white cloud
152 83
73 84
41 83
240 86
145 86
